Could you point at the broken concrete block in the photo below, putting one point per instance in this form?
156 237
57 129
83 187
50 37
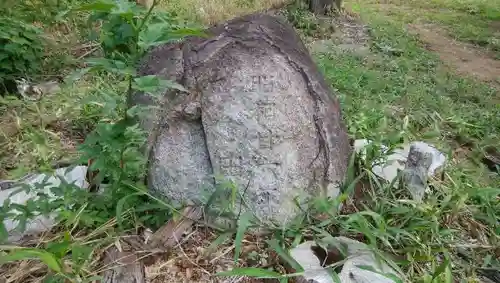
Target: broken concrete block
416 170
313 271
438 158
360 264
34 92
388 166
360 257
417 160
14 194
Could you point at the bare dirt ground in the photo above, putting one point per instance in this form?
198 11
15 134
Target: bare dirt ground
466 59
350 35
195 259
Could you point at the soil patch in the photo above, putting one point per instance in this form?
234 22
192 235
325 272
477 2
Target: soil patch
495 25
350 35
195 259
466 59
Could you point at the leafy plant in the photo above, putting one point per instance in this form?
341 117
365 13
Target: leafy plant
48 12
302 19
21 52
114 147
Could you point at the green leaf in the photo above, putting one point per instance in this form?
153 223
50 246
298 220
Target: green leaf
54 278
62 15
297 240
97 6
80 254
183 32
152 83
22 254
251 272
274 244
20 41
350 188
174 85
219 241
102 62
124 9
153 35
4 234
391 276
59 249
329 269
121 203
243 224
441 268
334 275
77 74
149 83
115 66
161 33
448 275
3 56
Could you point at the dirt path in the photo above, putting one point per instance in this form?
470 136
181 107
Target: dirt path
466 59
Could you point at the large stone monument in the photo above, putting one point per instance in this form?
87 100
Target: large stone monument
258 112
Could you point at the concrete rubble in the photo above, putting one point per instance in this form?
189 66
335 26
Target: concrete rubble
417 161
40 183
358 259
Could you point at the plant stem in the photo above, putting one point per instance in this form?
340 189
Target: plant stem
128 101
136 56
146 18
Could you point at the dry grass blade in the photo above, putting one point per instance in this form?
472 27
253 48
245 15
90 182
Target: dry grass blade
215 11
24 271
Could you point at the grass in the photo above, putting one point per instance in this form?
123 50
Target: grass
473 21
215 11
409 95
412 94
398 92
35 134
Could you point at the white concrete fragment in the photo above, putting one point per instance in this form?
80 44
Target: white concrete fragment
311 264
388 167
34 92
438 158
40 223
358 256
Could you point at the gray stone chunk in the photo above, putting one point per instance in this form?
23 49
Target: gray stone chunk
259 113
188 166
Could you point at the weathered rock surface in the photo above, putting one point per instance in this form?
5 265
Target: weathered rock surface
258 112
